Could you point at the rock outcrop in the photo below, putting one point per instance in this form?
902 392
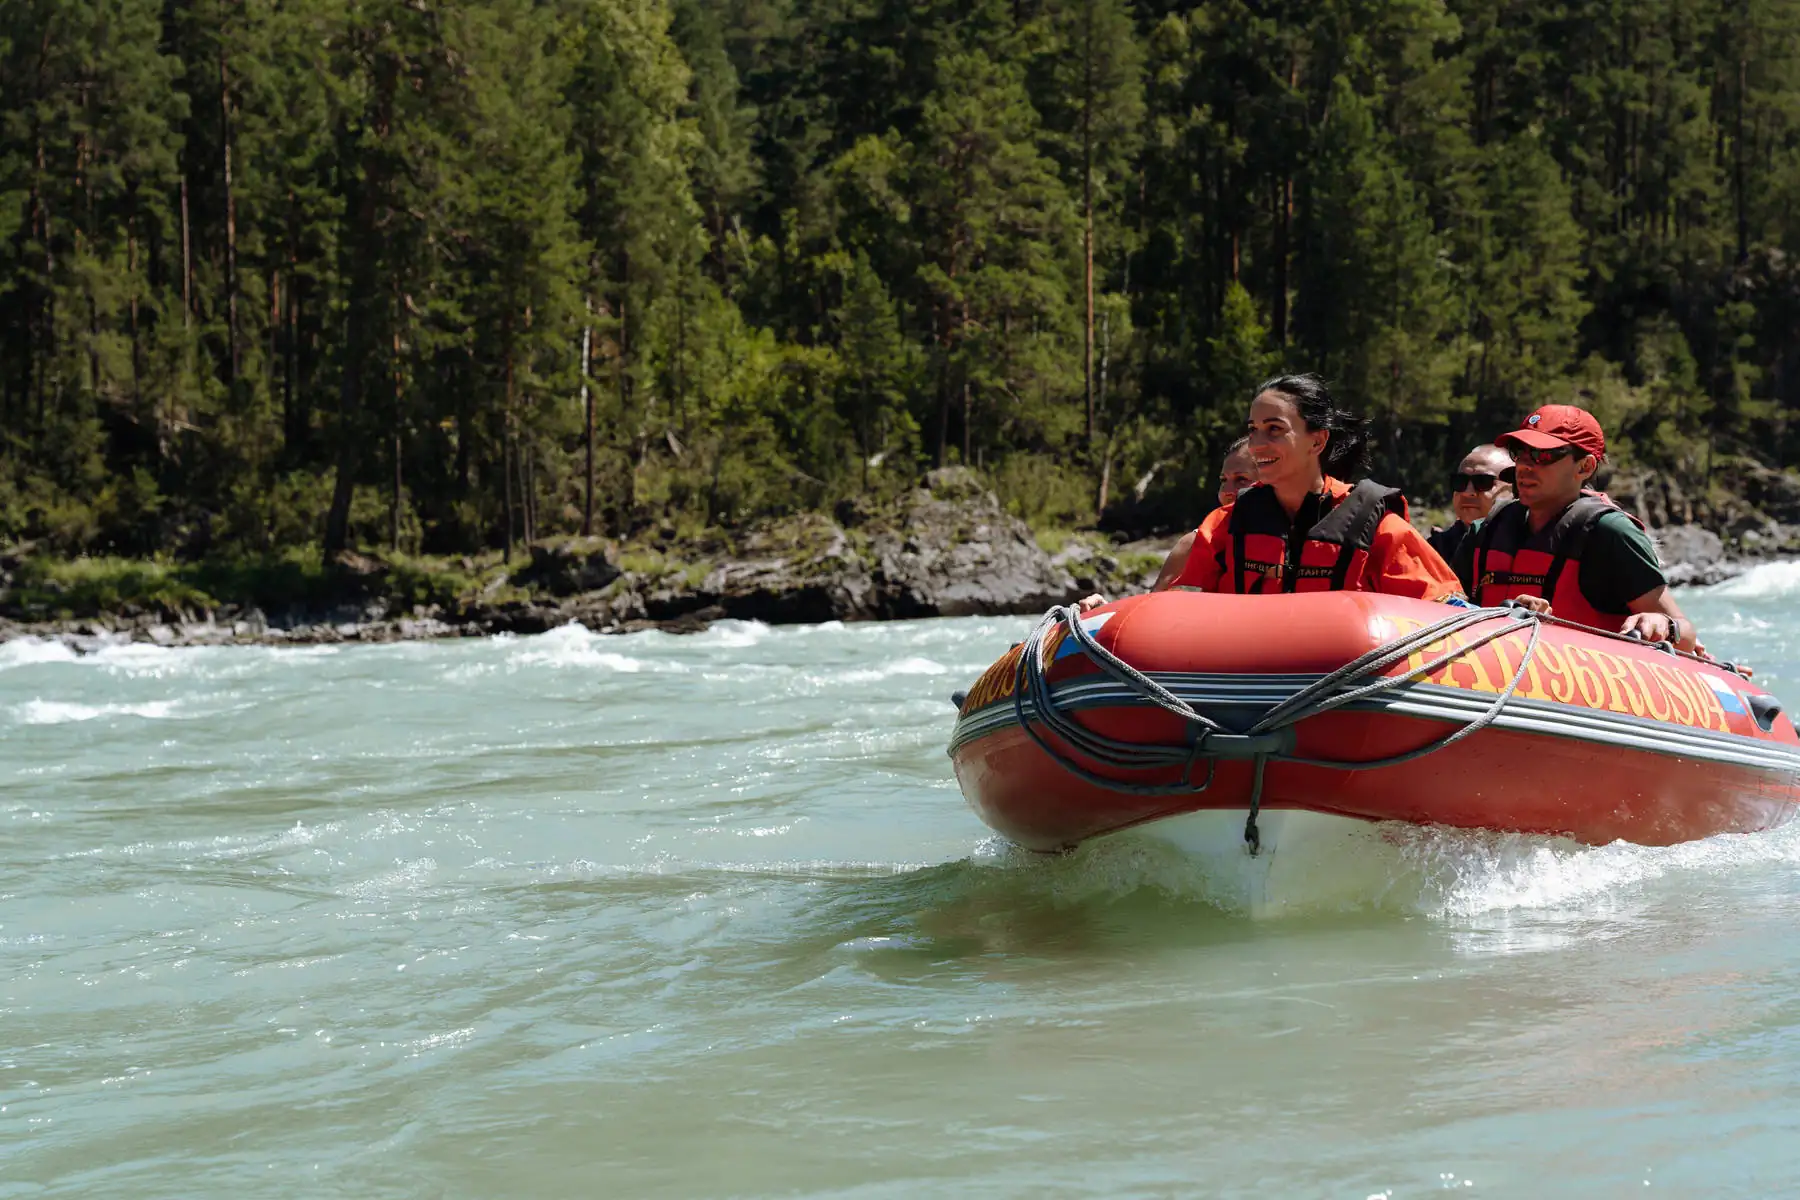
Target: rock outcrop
1692 555
953 551
948 548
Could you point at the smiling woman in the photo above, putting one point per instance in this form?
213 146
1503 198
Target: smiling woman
1303 528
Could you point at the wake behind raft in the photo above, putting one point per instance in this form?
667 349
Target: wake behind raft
1243 721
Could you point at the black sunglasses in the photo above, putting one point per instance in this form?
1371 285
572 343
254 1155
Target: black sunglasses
1481 483
1543 458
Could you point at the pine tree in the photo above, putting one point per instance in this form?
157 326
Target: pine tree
991 216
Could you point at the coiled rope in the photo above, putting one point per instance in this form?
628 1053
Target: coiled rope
1270 738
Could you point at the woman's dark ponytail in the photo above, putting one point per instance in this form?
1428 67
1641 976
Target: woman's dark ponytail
1347 450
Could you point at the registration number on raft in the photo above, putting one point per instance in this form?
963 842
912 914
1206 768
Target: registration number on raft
1568 674
1561 674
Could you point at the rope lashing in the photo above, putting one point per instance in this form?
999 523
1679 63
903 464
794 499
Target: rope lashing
1271 737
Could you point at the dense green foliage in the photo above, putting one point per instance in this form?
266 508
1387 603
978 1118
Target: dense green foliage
445 274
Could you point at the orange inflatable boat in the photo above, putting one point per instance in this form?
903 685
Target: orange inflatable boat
1216 720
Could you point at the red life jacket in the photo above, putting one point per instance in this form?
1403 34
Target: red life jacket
1505 570
1269 553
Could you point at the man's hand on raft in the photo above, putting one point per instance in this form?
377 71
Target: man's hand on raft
1090 603
1651 626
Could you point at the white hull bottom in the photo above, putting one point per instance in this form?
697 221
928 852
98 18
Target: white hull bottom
1308 860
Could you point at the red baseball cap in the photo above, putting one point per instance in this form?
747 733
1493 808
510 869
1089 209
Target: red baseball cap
1559 425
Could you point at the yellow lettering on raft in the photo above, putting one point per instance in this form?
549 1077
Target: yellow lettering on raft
996 684
1577 675
1478 677
1681 705
1561 690
1709 700
1651 694
1622 696
1531 687
1593 695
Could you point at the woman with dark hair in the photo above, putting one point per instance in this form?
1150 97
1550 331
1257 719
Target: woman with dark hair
1303 528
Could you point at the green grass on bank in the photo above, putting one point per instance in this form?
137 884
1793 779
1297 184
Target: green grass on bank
46 588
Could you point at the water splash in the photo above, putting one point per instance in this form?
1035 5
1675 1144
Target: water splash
1769 581
60 712
1431 872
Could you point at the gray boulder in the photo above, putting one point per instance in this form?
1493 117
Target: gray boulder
803 570
1692 555
954 551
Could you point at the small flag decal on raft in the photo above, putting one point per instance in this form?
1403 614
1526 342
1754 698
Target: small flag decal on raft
1092 624
1728 697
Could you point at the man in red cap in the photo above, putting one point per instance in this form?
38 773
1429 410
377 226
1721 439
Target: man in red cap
1563 548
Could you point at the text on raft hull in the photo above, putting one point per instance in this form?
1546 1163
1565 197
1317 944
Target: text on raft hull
1367 707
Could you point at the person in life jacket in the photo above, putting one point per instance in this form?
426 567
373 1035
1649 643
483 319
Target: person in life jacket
1564 548
1481 481
1302 528
1237 472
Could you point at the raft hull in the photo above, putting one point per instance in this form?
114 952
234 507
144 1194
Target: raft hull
1604 741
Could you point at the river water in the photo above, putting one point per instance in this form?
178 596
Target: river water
706 916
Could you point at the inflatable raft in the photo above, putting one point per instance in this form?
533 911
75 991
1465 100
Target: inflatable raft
1241 721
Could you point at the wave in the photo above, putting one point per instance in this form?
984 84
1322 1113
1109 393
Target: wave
1433 872
577 646
1768 581
912 665
733 634
62 712
30 651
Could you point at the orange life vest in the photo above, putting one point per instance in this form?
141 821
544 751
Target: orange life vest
1504 569
1269 553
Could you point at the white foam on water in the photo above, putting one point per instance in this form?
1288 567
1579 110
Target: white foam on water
1769 581
732 634
579 647
30 651
1415 870
1736 623
1468 872
913 665
62 712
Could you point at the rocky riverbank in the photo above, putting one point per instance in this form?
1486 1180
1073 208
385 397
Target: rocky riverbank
946 549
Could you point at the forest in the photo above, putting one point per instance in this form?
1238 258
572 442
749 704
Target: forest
451 276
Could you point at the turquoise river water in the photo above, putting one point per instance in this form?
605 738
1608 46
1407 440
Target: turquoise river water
655 916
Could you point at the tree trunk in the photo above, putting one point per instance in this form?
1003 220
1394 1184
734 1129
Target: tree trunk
506 454
337 520
131 310
968 409
587 416
528 487
231 307
943 437
1284 218
1106 464
187 260
1087 216
394 499
1737 165
397 388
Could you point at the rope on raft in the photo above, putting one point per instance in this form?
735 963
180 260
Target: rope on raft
1271 737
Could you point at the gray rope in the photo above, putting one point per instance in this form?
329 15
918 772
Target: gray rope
1356 680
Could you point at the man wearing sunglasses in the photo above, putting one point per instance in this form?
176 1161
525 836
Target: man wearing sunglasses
1563 548
1477 486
